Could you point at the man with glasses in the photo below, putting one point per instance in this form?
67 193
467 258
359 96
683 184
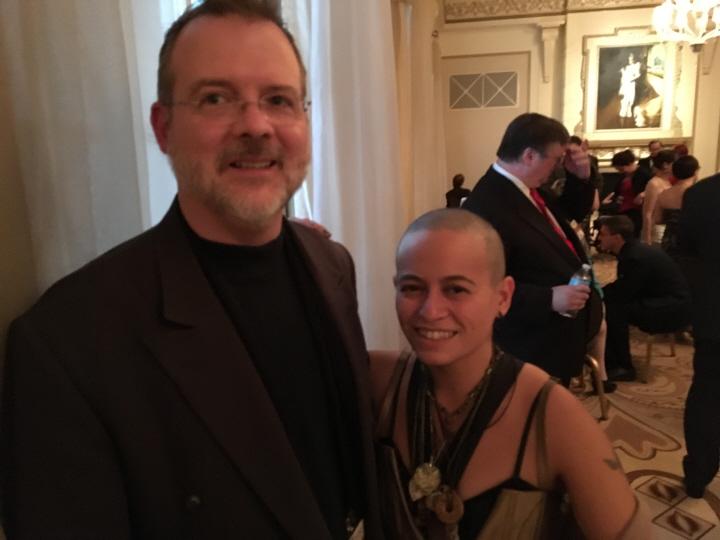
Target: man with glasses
206 379
550 321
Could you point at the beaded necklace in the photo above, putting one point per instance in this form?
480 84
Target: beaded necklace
437 471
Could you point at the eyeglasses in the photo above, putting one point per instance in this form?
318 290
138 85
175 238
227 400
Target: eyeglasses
280 108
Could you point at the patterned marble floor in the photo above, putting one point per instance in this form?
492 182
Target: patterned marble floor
645 426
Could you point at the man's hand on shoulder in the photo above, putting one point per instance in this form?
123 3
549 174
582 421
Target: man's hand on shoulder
577 161
314 225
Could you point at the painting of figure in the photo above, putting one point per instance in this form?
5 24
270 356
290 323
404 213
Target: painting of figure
630 87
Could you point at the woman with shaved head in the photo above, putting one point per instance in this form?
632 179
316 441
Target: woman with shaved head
474 444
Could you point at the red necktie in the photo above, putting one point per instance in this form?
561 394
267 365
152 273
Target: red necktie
543 210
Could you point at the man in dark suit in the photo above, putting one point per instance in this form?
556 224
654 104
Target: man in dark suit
650 292
454 197
541 249
700 243
207 379
646 163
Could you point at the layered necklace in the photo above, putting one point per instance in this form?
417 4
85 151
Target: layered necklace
439 466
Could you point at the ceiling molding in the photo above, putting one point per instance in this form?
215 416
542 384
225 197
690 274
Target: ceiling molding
476 10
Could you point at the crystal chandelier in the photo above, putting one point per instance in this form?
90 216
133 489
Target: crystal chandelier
692 21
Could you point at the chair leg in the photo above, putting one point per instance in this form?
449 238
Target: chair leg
672 344
595 370
648 357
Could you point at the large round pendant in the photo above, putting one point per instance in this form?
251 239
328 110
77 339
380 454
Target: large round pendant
424 481
447 505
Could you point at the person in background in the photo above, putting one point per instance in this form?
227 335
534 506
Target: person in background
595 176
542 249
208 378
646 163
474 444
455 196
681 150
669 203
630 189
699 242
584 228
652 232
650 292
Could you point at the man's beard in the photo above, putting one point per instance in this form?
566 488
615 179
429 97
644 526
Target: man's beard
250 206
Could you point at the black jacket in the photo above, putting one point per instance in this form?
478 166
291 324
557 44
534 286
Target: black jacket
538 259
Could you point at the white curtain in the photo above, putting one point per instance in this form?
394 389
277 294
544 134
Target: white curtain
420 94
80 83
356 190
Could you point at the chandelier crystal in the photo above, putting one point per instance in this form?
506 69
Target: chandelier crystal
692 21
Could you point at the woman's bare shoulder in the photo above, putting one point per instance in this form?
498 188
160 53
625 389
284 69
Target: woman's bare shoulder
531 379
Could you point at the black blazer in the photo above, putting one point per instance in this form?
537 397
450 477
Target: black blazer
699 239
132 409
653 284
538 259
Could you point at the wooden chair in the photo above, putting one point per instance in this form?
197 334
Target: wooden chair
592 364
649 340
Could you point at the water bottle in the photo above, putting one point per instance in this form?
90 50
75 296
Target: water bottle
582 277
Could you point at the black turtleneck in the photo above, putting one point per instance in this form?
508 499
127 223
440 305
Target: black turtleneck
279 314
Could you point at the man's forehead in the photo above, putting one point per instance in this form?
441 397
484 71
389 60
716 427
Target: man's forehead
220 44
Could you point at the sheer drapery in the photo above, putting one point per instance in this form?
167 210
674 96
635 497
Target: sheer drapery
80 101
420 95
81 81
356 188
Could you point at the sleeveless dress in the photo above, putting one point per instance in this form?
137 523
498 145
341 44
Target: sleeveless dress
513 509
671 217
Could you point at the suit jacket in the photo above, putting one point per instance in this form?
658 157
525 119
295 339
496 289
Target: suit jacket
538 259
699 239
652 287
646 164
132 408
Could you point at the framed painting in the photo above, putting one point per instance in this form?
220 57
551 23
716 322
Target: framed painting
630 84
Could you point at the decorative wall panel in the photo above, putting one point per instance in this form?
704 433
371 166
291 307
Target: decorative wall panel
483 90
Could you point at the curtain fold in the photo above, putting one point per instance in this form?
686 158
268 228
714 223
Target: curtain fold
356 189
80 86
69 89
81 76
421 97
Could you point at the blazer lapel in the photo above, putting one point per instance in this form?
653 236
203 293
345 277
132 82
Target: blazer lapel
201 351
528 212
342 306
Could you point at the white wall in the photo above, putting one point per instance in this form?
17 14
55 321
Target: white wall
465 127
557 70
706 140
498 40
